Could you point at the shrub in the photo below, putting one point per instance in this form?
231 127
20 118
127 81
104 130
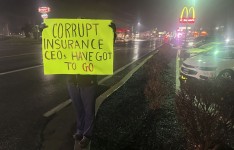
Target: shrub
156 87
167 53
206 111
154 92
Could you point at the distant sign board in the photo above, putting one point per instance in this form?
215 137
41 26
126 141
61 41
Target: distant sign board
44 16
78 46
44 10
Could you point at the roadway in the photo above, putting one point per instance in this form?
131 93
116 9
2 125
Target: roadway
26 93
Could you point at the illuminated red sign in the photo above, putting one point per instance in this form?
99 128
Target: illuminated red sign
187 20
122 30
44 10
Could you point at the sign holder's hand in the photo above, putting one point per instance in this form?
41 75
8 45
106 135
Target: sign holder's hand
42 27
113 26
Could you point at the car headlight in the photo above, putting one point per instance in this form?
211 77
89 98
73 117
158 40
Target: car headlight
207 68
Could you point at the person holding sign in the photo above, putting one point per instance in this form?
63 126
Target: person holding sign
83 49
83 91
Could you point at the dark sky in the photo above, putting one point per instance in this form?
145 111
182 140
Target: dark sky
163 14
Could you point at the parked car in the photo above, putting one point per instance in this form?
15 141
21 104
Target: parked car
216 63
186 53
193 42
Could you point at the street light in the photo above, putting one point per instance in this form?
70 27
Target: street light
135 29
138 29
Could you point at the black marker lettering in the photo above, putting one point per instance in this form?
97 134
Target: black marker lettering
86 44
57 44
59 55
96 29
53 30
81 29
64 44
70 44
92 45
60 31
73 30
67 27
46 55
88 27
100 43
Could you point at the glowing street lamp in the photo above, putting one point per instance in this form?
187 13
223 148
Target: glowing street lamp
138 29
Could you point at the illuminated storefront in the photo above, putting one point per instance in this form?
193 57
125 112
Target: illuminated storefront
122 34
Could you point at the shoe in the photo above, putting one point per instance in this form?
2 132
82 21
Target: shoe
84 142
78 137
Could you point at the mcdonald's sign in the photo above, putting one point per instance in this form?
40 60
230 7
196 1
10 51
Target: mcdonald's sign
187 15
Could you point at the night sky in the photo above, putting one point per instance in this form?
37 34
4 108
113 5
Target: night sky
163 14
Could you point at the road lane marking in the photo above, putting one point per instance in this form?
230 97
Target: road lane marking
177 73
117 49
18 70
106 94
18 55
57 108
120 69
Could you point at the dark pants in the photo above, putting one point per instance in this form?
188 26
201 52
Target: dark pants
83 99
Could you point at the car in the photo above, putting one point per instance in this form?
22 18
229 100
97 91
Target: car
199 41
216 63
193 42
186 53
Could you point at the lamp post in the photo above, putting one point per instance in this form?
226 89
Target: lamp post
132 32
138 28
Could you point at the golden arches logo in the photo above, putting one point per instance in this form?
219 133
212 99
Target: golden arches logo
187 12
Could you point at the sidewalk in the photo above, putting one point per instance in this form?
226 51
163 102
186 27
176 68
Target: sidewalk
59 130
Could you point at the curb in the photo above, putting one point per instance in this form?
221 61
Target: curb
115 87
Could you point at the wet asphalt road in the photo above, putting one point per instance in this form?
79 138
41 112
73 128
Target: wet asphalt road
26 94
